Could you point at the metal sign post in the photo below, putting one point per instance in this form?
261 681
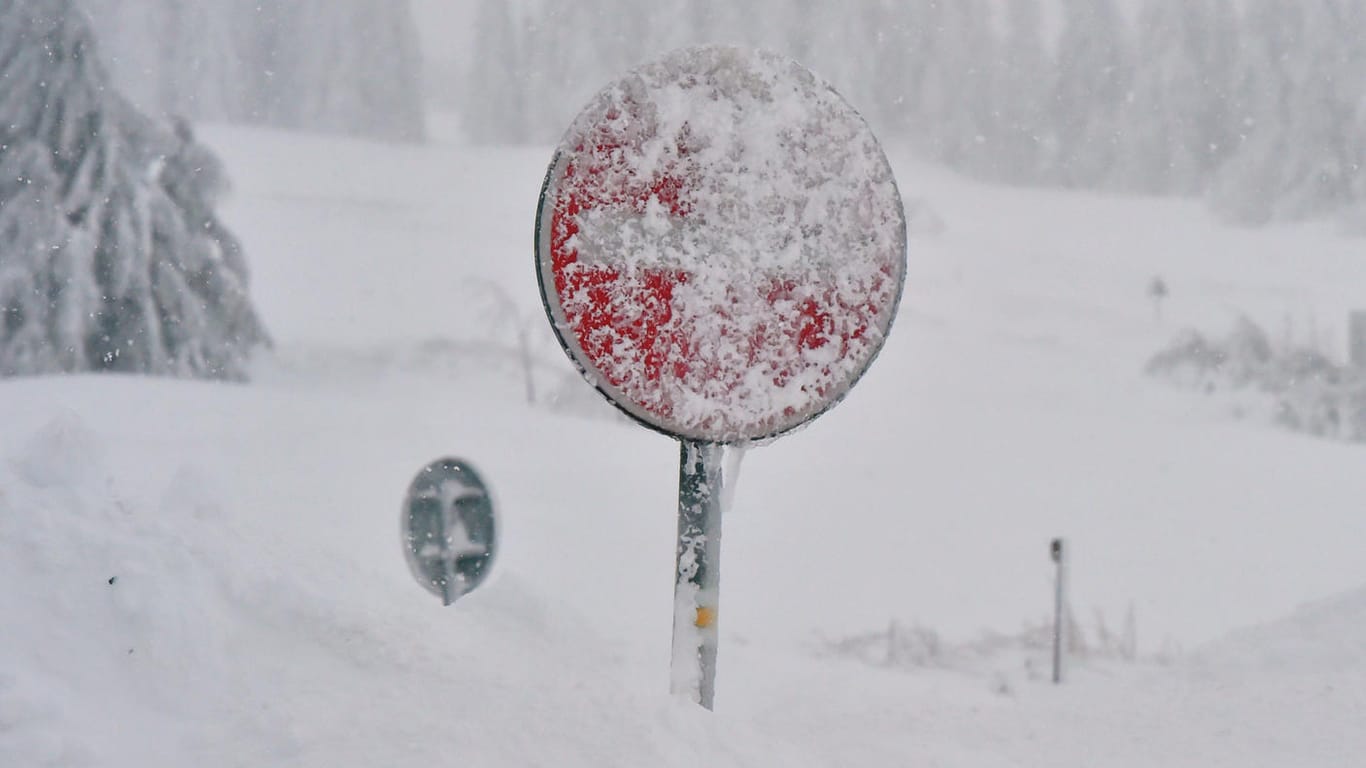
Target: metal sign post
1356 339
1059 554
720 247
697 588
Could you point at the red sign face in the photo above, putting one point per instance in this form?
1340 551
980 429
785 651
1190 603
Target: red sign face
720 244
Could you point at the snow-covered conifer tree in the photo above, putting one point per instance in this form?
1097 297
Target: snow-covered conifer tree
340 66
1215 124
1020 77
1093 80
1329 79
111 257
496 96
1149 149
345 66
1299 79
1245 187
891 66
966 123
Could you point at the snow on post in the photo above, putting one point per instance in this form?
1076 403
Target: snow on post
721 248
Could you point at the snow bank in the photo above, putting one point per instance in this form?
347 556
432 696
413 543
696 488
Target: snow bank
273 622
165 606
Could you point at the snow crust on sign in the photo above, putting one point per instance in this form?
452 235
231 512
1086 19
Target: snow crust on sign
726 243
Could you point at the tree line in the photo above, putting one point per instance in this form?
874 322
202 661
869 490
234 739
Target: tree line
336 66
1257 105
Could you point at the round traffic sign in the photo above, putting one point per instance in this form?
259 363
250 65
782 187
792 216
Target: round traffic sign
720 244
449 529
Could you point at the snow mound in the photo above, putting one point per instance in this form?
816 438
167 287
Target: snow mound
194 598
64 452
1324 637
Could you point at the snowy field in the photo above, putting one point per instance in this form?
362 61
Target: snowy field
210 575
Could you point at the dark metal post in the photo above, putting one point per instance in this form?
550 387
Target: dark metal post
698 572
1060 606
1356 339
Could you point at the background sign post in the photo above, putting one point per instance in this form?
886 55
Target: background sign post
1059 554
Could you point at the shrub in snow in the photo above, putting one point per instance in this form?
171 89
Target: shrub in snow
111 255
1002 654
1308 391
1193 359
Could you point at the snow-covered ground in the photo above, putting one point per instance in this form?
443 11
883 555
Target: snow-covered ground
211 574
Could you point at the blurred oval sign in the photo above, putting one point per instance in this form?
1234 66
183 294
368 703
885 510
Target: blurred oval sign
720 244
449 529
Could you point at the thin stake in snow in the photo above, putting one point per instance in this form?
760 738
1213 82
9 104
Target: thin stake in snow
1356 339
1157 293
1059 553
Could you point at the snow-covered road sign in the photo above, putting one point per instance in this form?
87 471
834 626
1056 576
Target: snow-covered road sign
449 529
720 247
720 244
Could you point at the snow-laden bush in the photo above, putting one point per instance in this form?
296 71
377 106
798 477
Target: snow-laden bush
111 255
1195 360
1003 655
1307 391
